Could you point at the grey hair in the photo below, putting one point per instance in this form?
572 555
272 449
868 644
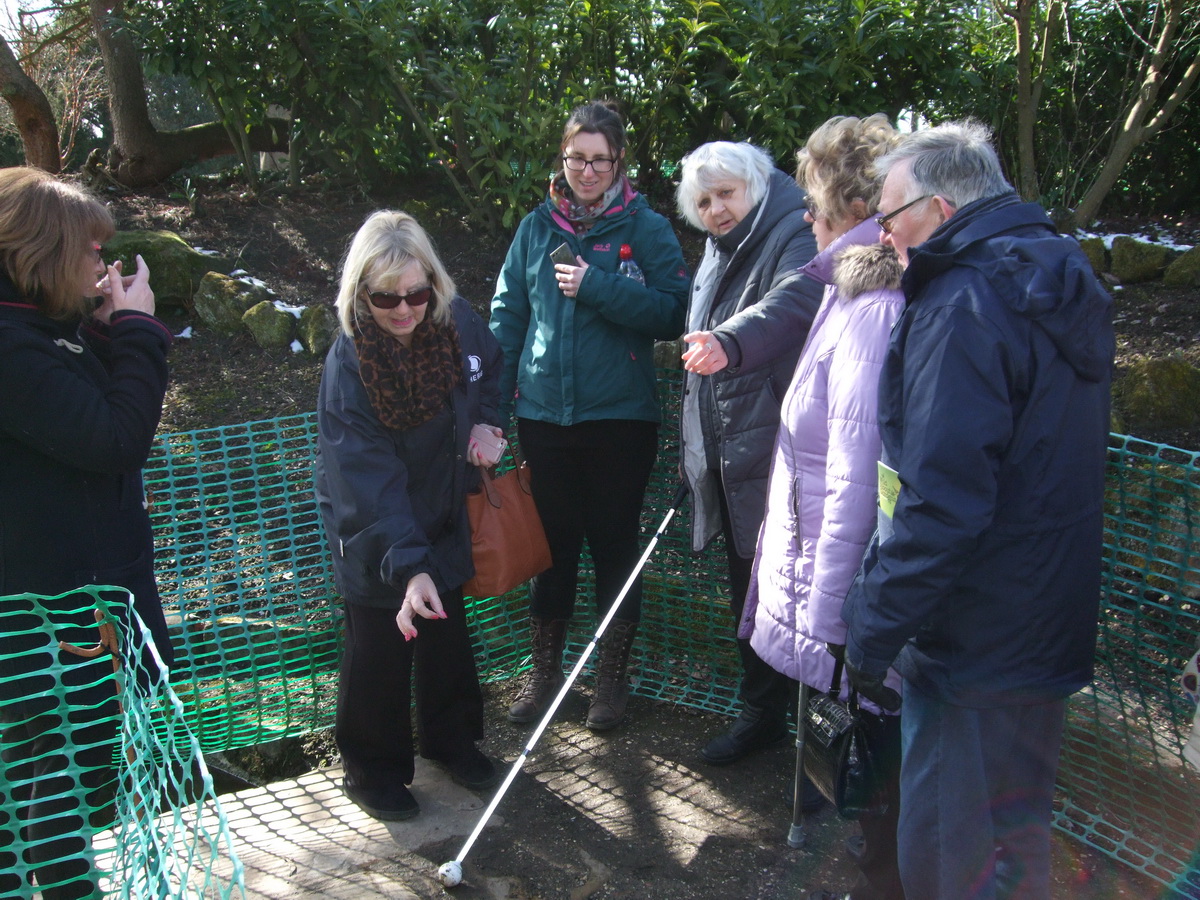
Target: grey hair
386 244
956 161
718 161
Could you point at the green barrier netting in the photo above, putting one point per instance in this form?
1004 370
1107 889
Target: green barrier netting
1124 786
246 576
103 789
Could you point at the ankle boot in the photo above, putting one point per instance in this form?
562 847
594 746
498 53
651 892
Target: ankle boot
546 677
612 685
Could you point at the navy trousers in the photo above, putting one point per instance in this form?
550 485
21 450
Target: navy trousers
976 788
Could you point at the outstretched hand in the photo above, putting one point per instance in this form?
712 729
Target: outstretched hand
704 354
420 600
873 688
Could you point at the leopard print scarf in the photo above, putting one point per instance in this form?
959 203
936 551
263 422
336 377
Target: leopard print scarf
408 385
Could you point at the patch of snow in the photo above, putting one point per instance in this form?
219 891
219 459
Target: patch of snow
251 280
204 252
1159 237
186 333
297 347
283 307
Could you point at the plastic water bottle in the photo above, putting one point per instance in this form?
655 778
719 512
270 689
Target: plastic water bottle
628 267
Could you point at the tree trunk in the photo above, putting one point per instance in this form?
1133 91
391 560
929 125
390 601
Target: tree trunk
1134 130
31 112
141 155
1027 177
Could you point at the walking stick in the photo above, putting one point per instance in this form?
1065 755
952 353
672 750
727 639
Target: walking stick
451 873
795 837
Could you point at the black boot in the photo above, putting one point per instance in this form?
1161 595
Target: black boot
546 677
753 729
612 684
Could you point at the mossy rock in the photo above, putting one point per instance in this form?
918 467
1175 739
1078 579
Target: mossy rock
175 268
271 327
221 301
318 327
1158 394
1093 248
1134 260
1184 270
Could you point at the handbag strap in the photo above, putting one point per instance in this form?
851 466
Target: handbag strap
835 685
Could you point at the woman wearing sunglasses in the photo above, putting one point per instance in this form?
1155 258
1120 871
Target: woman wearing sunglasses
578 341
410 373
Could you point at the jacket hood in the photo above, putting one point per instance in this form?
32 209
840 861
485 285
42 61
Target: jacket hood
871 267
1037 272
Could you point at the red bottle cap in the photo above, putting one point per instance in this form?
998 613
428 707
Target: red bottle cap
626 252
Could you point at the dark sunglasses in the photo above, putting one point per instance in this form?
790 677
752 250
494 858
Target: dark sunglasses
388 300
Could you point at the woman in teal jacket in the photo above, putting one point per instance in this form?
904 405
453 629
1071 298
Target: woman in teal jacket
578 341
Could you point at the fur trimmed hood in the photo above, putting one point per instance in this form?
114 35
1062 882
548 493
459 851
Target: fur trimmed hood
862 268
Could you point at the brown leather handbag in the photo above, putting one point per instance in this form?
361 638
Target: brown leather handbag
508 543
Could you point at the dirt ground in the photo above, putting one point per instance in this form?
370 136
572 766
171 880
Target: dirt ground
587 824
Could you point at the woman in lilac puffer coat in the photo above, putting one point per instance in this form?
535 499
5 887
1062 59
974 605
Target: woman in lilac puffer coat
821 499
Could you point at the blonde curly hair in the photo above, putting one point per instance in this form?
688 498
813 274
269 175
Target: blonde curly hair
838 165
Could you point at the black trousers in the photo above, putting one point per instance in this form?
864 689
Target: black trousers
589 481
374 726
46 806
763 689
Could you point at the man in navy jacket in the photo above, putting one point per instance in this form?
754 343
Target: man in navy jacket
983 583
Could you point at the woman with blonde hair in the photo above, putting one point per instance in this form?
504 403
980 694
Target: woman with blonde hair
411 371
83 372
821 498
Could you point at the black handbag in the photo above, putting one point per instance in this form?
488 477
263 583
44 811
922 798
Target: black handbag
844 756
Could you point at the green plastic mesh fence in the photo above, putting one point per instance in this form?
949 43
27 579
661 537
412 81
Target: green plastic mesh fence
103 789
245 572
1124 786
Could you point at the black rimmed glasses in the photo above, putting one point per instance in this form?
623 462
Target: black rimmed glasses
884 221
388 300
600 165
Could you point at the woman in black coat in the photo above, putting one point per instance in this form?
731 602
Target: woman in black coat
748 317
412 371
83 372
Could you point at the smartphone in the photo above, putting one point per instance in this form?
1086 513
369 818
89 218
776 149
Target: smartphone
562 255
490 447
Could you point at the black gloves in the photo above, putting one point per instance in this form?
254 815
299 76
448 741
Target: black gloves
872 687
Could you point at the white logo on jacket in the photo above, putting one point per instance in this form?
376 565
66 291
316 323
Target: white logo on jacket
474 367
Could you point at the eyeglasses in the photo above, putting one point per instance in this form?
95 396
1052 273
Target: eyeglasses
388 300
600 165
884 221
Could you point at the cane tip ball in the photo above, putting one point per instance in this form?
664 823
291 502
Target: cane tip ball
451 873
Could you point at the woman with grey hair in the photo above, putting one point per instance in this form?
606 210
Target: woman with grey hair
748 316
412 370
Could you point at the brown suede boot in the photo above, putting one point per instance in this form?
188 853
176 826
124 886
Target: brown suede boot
612 686
546 677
